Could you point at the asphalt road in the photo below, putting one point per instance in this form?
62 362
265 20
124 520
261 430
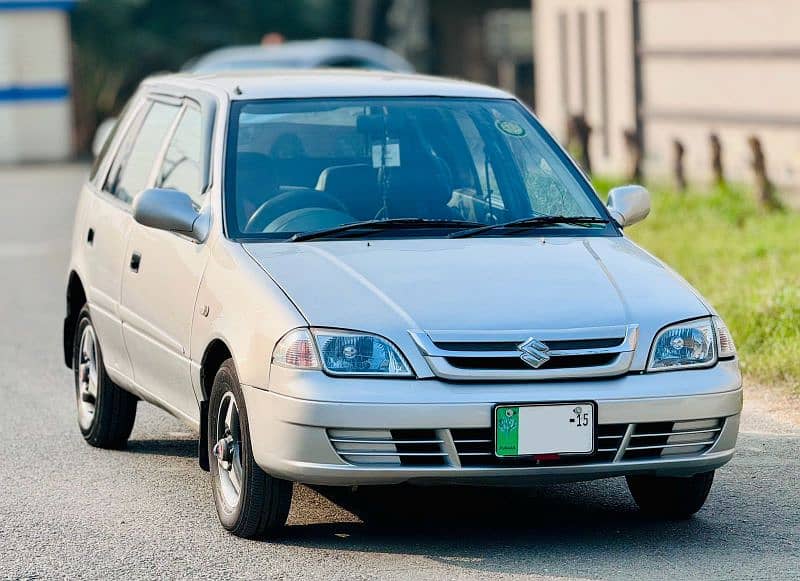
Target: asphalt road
71 511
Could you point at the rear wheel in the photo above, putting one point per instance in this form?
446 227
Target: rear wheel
106 412
250 503
670 497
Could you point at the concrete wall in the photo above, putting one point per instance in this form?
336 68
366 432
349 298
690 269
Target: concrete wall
584 64
726 66
35 108
730 67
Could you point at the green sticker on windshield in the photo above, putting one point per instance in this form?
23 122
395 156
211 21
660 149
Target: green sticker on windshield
511 128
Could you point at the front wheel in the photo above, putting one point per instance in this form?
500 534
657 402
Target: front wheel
670 497
106 412
250 503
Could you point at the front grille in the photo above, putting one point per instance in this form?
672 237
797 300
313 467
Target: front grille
660 439
563 362
512 346
487 355
393 447
474 447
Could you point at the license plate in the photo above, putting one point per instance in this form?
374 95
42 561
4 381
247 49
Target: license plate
526 430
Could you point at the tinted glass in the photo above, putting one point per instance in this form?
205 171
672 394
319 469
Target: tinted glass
98 162
134 163
115 172
355 63
300 165
182 166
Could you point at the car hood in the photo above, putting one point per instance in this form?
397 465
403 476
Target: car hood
393 286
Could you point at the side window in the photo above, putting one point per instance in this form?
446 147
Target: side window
134 162
121 118
115 172
182 168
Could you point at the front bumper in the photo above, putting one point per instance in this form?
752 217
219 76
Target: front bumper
291 425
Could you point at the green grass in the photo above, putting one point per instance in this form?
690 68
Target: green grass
745 261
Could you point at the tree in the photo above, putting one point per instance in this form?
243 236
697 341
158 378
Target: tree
116 44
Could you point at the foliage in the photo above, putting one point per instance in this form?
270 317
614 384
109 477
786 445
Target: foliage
745 261
118 43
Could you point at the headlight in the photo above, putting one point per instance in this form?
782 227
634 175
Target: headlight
340 353
690 344
351 353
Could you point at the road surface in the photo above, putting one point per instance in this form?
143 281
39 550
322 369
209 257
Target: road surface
71 511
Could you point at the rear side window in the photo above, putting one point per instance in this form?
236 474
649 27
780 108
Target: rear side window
131 169
183 161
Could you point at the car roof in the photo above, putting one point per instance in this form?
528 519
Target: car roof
311 83
300 54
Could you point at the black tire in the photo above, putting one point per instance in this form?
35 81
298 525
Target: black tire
114 411
262 502
670 497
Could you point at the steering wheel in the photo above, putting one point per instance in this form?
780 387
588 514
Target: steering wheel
287 202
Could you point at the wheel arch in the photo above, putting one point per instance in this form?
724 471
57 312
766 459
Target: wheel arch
214 355
75 299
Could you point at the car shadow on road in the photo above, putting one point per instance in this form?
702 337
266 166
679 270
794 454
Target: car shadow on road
589 529
575 530
179 448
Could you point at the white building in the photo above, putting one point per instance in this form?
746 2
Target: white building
35 108
674 69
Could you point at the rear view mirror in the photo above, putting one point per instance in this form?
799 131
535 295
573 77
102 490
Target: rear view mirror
628 204
101 135
169 210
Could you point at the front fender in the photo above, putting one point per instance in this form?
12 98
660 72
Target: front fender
239 304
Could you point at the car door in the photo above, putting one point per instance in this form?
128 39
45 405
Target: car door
160 284
107 230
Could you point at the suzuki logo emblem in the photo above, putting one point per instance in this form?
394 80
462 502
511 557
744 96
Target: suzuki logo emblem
534 353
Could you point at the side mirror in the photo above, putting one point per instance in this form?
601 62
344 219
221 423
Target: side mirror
101 135
628 204
169 210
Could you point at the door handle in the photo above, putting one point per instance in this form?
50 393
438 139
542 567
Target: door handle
90 237
136 260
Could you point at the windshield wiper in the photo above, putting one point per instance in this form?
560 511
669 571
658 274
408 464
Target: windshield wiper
390 224
531 222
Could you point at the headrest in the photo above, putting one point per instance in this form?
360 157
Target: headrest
356 176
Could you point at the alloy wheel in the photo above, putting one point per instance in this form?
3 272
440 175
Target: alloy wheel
228 450
87 379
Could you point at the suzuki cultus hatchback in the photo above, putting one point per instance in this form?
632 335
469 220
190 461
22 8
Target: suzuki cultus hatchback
348 278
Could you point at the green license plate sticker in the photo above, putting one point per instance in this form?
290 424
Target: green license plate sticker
507 431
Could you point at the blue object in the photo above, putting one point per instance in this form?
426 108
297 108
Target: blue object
65 5
33 93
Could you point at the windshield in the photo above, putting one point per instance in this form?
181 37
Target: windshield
225 65
298 166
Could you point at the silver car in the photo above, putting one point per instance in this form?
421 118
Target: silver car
301 54
350 278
